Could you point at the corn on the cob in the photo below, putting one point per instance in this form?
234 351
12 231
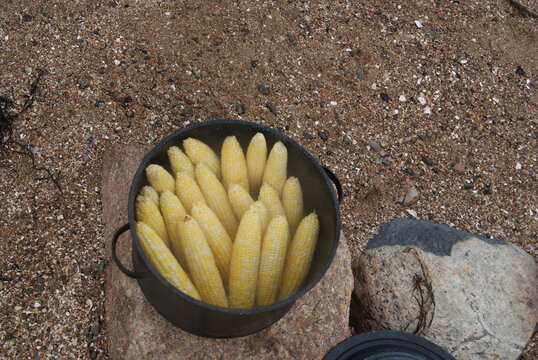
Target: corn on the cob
148 213
219 241
150 192
159 178
273 257
163 260
299 258
245 262
261 209
173 211
256 159
179 161
233 164
270 199
216 198
292 200
187 190
276 167
203 269
240 199
199 152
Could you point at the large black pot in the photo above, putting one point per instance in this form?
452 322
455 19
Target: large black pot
212 321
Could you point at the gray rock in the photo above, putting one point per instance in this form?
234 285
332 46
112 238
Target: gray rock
411 196
83 83
473 296
374 145
264 90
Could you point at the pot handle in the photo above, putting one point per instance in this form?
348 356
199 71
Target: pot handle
129 273
332 176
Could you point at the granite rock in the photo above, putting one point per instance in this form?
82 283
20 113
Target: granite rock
317 322
475 297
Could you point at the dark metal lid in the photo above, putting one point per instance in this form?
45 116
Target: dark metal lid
387 345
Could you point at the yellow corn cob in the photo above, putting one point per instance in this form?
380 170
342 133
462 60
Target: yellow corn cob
159 178
216 198
219 241
163 260
204 272
199 152
270 199
276 167
173 211
256 159
261 209
245 262
273 257
148 212
179 161
150 192
233 164
240 199
299 258
292 200
187 190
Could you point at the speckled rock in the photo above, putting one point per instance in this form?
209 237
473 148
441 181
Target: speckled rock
315 324
476 297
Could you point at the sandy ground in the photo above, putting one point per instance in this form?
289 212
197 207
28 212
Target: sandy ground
446 89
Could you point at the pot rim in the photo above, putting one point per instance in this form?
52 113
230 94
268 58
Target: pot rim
262 128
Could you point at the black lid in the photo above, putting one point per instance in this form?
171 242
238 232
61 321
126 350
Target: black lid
387 345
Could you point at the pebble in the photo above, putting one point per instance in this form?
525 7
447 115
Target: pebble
459 169
426 160
86 270
239 109
197 74
436 170
83 83
520 71
307 18
361 75
519 166
408 171
28 69
411 196
384 97
165 118
418 24
87 136
402 98
322 136
413 213
253 63
27 18
468 186
37 304
346 139
95 329
374 145
264 89
427 110
421 100
117 62
272 108
93 354
386 162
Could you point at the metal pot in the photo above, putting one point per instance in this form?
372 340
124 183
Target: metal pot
212 321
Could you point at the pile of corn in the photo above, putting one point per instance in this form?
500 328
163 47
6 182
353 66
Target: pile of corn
205 234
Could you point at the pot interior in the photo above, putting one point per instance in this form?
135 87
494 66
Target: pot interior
318 193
